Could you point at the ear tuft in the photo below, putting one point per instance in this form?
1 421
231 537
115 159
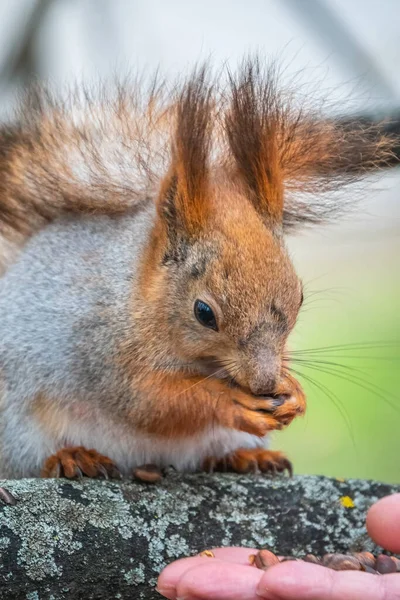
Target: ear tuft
254 125
184 198
282 150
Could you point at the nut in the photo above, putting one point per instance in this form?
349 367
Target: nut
397 563
7 497
341 562
208 553
288 559
310 558
357 561
366 559
264 559
385 564
148 473
370 570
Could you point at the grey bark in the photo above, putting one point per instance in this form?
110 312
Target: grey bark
104 540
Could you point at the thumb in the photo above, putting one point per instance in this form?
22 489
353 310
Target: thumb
383 523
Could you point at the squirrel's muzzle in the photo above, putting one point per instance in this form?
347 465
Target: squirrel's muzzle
262 373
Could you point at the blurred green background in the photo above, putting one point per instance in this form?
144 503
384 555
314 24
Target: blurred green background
351 300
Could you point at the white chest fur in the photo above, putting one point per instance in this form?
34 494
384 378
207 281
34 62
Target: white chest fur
129 448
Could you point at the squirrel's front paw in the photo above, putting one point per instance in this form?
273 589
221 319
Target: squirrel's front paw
295 403
78 461
253 414
259 414
250 460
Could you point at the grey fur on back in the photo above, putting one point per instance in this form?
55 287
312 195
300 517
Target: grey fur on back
66 308
64 311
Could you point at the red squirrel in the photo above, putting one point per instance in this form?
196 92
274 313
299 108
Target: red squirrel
145 314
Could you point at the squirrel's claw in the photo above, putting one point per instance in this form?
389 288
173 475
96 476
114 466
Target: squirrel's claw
212 464
148 473
103 472
79 474
260 414
77 462
251 461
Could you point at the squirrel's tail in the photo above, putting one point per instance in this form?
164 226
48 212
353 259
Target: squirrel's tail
80 156
105 153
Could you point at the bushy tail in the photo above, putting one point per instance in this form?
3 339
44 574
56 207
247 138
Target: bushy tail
292 157
107 152
99 154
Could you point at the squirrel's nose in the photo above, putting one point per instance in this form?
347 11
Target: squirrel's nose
263 386
263 372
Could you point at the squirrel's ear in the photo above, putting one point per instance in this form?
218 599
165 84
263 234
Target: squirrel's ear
184 196
288 156
252 124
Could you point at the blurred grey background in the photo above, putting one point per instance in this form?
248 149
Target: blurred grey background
347 51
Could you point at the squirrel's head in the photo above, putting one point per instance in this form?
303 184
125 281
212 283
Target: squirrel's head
230 295
220 293
219 287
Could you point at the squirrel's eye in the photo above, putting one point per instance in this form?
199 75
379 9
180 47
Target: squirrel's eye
204 314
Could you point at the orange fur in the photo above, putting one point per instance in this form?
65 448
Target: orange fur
50 415
254 128
188 181
78 461
251 461
282 148
108 152
222 171
168 406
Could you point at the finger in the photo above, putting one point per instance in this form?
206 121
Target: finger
234 554
295 581
218 580
170 576
383 522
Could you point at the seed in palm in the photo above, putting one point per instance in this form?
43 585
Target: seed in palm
360 561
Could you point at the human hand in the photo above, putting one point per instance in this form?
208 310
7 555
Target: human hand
229 576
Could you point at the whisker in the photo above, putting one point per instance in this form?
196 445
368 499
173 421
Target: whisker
368 386
198 383
356 346
334 399
332 290
288 356
312 361
214 422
